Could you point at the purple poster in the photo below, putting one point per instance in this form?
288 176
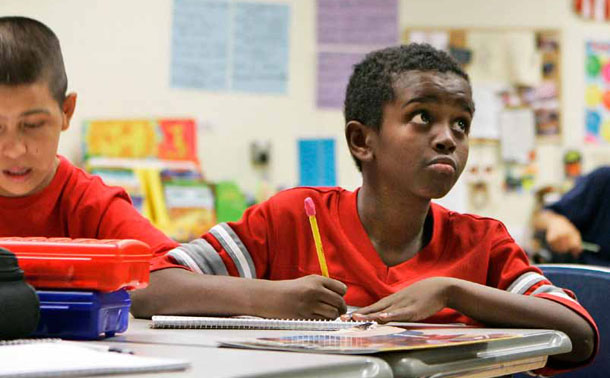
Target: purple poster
334 70
358 22
347 31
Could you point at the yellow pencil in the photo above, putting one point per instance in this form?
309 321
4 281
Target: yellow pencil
310 210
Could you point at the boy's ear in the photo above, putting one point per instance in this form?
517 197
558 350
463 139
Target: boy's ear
68 108
360 140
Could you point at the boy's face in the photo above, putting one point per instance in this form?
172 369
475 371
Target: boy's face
422 145
30 123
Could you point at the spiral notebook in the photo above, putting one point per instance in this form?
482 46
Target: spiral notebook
162 321
56 358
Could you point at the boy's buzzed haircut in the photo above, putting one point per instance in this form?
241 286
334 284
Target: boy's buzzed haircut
371 85
29 52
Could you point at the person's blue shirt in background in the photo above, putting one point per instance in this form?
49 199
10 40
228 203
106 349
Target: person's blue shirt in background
587 206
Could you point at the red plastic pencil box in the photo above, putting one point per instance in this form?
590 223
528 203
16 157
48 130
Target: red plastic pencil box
92 264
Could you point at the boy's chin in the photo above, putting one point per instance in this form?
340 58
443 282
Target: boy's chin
437 192
16 191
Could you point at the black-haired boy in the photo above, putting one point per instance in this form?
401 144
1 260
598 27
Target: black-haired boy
389 250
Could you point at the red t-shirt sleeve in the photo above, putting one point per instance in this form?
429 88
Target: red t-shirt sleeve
510 270
238 249
244 245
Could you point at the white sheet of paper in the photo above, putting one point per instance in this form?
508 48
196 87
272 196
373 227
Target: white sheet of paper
518 134
485 124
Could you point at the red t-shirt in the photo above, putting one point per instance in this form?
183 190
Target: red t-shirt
79 205
273 240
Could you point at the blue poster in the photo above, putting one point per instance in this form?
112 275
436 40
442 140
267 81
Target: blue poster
317 162
200 40
230 45
260 48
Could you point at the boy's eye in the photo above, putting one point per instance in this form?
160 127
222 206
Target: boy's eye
421 117
33 125
462 125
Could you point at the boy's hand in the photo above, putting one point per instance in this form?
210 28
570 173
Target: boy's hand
416 302
309 297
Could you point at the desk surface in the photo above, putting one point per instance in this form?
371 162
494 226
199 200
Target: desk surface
199 347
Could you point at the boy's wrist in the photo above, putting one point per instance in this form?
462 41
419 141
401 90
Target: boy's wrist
453 292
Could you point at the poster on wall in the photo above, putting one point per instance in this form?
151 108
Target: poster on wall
169 139
343 42
230 45
317 166
597 93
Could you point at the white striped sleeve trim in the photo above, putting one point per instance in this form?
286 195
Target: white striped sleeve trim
184 259
525 281
235 248
553 290
203 255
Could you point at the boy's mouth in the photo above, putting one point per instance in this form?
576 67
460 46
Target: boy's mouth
17 173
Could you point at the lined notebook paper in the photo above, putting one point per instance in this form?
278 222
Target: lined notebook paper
162 321
53 358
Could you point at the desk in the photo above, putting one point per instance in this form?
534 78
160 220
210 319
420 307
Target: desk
476 360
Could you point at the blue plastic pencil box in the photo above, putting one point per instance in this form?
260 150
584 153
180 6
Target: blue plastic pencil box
82 314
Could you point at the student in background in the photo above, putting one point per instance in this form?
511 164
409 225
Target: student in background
577 227
389 249
41 193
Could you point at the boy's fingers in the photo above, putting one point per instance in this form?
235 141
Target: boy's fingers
403 314
334 300
361 317
326 311
334 285
368 316
375 307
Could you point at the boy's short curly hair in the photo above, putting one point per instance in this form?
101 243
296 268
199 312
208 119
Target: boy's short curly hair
371 85
29 52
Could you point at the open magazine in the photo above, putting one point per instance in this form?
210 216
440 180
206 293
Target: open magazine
359 340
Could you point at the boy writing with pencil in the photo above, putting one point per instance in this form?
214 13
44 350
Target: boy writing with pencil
388 248
41 193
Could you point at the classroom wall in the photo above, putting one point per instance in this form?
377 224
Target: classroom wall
117 55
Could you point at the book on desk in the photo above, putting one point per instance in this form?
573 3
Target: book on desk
369 340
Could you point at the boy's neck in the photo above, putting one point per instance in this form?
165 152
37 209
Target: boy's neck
394 222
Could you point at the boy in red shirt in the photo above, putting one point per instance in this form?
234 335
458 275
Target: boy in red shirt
389 249
41 193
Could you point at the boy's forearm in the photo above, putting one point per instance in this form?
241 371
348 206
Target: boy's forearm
176 291
500 308
180 292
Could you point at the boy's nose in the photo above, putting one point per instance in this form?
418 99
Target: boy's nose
14 147
444 139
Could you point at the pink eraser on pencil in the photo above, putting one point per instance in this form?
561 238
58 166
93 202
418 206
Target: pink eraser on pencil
310 208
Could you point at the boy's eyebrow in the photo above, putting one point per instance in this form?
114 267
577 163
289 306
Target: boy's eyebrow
469 107
423 99
34 111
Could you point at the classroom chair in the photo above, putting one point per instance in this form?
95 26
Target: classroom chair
591 284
